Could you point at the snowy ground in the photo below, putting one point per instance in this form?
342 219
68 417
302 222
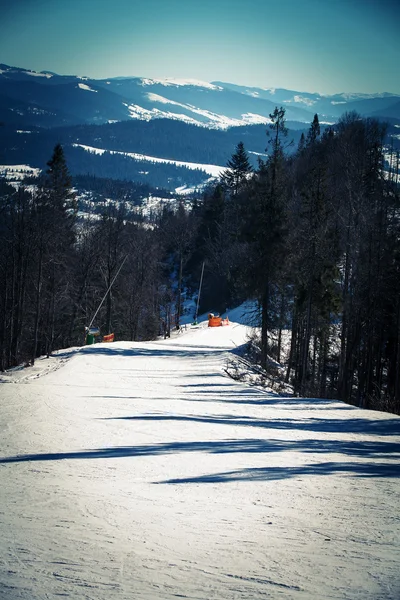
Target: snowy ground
213 170
140 471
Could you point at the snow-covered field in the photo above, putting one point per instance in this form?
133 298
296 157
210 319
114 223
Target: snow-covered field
18 172
141 471
213 170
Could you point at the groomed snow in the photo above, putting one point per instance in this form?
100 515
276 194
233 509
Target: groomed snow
141 471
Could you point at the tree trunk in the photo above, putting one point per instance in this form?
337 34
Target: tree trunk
179 298
265 327
37 312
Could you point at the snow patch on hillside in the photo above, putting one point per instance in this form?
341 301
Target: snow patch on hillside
209 118
18 172
170 81
213 170
157 98
35 74
272 91
254 119
83 86
264 154
301 100
361 96
138 112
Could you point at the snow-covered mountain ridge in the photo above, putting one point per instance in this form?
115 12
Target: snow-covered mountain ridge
157 131
45 98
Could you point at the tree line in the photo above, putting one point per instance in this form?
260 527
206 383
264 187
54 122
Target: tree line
314 237
312 234
55 267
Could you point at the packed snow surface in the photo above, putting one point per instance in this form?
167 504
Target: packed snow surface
141 471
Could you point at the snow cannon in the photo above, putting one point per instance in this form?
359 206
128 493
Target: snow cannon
91 334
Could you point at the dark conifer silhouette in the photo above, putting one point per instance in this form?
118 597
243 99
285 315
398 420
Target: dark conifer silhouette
237 171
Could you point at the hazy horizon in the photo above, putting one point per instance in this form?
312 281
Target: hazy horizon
346 46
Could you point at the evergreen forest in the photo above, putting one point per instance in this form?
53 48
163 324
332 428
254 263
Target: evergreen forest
311 234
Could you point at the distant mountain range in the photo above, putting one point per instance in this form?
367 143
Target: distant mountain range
49 100
176 120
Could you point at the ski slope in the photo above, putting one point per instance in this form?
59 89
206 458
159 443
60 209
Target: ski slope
141 471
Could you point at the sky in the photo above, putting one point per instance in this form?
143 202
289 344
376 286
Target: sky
325 46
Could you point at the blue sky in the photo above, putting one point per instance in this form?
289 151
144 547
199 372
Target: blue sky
307 45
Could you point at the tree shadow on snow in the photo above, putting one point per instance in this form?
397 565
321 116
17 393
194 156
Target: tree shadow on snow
354 469
252 396
370 450
170 351
382 427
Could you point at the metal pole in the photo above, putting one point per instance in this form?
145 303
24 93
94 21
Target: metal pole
105 295
198 297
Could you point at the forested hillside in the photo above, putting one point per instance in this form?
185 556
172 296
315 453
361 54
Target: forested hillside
315 238
163 138
311 234
107 150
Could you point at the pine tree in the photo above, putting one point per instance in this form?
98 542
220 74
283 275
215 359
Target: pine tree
58 181
55 214
302 143
314 253
264 229
314 132
278 132
238 170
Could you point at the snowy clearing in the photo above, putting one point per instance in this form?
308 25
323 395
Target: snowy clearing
213 170
18 172
36 74
141 471
83 86
214 120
